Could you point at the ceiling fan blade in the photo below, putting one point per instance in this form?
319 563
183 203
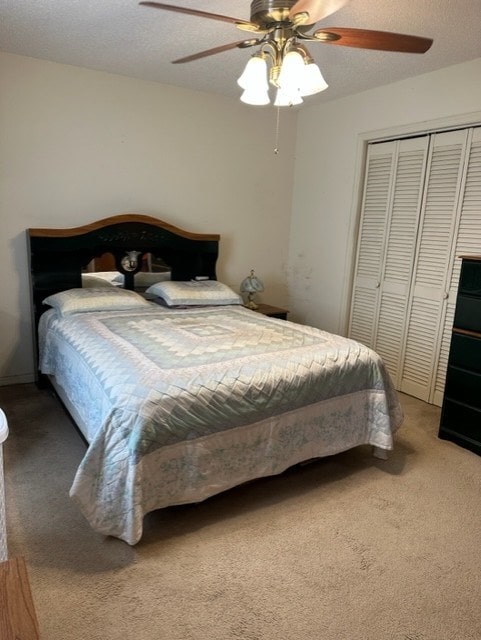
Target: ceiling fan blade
241 44
317 9
200 14
366 39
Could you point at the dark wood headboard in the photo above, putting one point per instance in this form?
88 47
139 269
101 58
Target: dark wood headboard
59 256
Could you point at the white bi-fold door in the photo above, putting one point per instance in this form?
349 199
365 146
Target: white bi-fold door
421 208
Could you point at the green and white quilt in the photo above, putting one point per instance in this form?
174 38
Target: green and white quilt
180 404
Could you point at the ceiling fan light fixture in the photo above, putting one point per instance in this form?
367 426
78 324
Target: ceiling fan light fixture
293 72
284 25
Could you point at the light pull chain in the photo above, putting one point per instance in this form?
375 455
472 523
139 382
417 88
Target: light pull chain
276 144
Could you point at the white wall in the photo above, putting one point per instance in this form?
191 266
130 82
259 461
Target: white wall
79 145
330 145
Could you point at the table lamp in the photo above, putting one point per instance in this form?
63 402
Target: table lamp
251 285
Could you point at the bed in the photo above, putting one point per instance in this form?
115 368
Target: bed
182 392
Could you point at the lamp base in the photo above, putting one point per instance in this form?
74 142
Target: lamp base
250 304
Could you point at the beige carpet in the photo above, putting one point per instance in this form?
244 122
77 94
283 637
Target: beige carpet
348 548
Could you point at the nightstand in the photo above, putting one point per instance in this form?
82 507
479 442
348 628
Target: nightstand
272 312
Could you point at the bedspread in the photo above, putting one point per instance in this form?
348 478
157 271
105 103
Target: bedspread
181 404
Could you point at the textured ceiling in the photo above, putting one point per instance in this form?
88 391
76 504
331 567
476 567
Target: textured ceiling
122 37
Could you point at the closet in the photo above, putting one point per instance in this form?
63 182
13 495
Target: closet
421 210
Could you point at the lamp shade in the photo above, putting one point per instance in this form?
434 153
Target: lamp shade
313 81
254 74
255 97
254 82
251 284
292 72
285 99
299 76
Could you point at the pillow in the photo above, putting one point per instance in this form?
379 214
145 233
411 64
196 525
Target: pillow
145 278
105 299
97 279
195 292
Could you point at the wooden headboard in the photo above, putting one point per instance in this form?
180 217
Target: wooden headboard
59 256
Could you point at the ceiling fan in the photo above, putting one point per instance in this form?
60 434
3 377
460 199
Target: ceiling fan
282 27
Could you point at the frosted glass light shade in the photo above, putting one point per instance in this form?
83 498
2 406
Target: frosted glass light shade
285 99
251 284
254 75
254 97
313 81
254 82
292 72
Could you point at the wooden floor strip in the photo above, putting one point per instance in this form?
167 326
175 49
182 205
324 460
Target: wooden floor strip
18 620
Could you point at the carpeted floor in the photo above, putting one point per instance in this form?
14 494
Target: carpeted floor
347 548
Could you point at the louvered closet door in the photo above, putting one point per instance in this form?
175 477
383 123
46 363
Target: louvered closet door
389 224
403 224
467 242
380 167
428 304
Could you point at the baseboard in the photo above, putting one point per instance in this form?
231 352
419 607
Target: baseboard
26 378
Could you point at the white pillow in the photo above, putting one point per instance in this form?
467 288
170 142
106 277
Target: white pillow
104 299
194 293
97 279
